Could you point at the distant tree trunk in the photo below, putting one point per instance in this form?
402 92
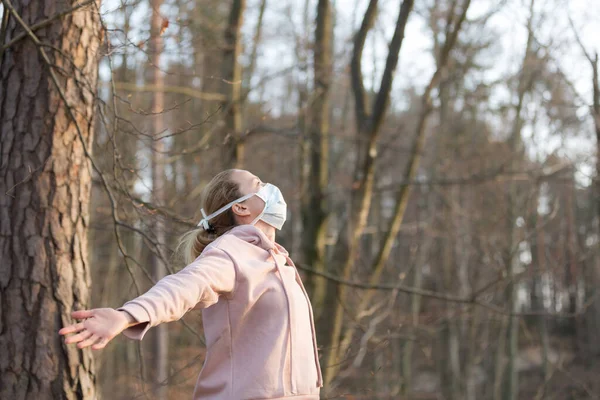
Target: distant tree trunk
231 83
594 282
303 142
500 359
45 183
314 210
426 242
527 77
591 319
449 335
539 269
161 338
571 265
596 116
249 72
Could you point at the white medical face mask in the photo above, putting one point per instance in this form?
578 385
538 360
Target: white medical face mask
274 213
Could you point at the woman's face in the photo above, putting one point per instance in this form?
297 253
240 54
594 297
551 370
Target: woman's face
249 209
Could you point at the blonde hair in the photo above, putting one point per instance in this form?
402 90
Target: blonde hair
219 191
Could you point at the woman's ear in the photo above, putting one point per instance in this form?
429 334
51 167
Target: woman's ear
240 209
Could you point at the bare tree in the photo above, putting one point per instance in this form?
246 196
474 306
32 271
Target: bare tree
369 126
457 16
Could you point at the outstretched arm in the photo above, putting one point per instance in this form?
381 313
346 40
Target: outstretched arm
198 285
99 326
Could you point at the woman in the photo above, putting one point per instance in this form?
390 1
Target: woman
257 318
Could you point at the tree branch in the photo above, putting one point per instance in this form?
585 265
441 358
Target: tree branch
383 96
360 97
441 296
184 90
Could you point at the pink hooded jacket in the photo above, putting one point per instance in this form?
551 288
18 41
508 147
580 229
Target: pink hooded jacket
257 319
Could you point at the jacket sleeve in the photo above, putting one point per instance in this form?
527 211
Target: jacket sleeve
198 285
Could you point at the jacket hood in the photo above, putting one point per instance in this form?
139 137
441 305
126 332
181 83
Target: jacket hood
253 235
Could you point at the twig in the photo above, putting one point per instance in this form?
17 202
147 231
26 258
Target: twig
442 296
27 177
383 286
184 90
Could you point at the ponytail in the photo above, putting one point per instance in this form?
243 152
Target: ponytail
220 191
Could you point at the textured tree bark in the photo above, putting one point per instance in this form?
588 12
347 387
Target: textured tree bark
45 184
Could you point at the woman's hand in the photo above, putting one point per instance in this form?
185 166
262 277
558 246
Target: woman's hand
100 325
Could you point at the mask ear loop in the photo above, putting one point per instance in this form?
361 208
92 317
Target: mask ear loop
259 216
204 221
205 224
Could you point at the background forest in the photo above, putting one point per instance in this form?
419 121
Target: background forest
439 158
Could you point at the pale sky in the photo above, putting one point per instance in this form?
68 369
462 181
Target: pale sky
282 19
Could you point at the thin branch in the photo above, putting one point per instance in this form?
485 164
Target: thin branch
442 296
579 42
383 96
360 97
383 286
184 90
27 177
494 175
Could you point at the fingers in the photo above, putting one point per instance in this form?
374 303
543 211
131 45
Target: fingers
100 344
81 314
71 329
79 337
91 340
87 338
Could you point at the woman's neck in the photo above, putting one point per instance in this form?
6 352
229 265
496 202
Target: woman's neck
267 229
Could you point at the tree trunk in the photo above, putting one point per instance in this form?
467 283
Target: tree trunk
526 80
425 245
248 73
231 87
538 261
591 319
314 197
500 360
45 188
160 343
596 116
